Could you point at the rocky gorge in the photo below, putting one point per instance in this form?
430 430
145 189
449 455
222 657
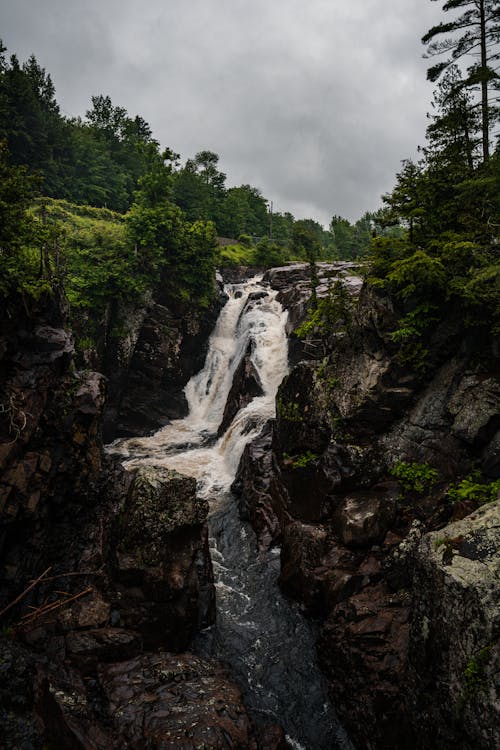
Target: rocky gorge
406 592
401 584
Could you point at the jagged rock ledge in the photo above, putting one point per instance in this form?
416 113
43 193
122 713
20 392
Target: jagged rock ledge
111 568
317 481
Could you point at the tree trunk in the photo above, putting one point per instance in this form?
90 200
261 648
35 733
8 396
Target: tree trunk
484 86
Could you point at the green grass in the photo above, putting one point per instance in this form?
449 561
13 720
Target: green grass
237 255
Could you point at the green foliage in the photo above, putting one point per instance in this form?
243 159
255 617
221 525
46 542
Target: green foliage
412 327
471 488
183 254
237 255
415 477
304 460
244 211
306 239
475 672
333 312
98 261
419 274
98 160
351 241
268 254
415 323
476 32
290 412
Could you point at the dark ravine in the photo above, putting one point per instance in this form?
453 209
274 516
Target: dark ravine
404 593
407 616
258 633
124 568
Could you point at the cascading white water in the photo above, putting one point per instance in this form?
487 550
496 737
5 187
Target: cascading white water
251 314
263 637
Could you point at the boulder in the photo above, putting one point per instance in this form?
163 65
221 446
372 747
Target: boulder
454 650
246 385
364 518
154 700
162 568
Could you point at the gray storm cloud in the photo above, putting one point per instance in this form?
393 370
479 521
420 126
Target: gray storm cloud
315 102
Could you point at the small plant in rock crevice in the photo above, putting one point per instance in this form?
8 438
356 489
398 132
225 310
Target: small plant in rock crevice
304 460
289 411
475 672
415 477
472 488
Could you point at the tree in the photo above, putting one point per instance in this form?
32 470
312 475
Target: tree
475 32
452 133
244 212
283 227
306 242
406 202
17 190
199 188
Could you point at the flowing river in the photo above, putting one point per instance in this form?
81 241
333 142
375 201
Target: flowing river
264 639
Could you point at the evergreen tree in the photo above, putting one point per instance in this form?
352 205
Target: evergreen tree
476 32
454 128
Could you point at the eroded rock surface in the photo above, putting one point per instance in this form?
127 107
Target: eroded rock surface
319 481
156 700
161 562
160 345
454 649
246 385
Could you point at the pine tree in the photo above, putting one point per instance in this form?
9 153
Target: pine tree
476 33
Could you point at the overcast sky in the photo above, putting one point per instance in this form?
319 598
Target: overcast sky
315 102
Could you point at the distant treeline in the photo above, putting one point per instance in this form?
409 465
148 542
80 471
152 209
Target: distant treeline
99 160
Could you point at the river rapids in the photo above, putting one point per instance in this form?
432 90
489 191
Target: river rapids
263 637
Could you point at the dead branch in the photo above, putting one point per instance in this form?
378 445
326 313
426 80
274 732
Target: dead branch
26 591
45 609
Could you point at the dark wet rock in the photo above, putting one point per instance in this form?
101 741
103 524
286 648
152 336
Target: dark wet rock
364 647
149 353
454 652
237 274
363 519
272 738
195 703
155 700
19 730
103 644
350 534
294 288
246 385
162 565
302 551
260 493
50 440
456 411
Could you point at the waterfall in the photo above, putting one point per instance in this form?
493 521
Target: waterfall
263 637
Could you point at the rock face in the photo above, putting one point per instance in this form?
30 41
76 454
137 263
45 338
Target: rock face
50 444
105 573
161 563
154 700
136 577
318 480
159 347
246 385
454 650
